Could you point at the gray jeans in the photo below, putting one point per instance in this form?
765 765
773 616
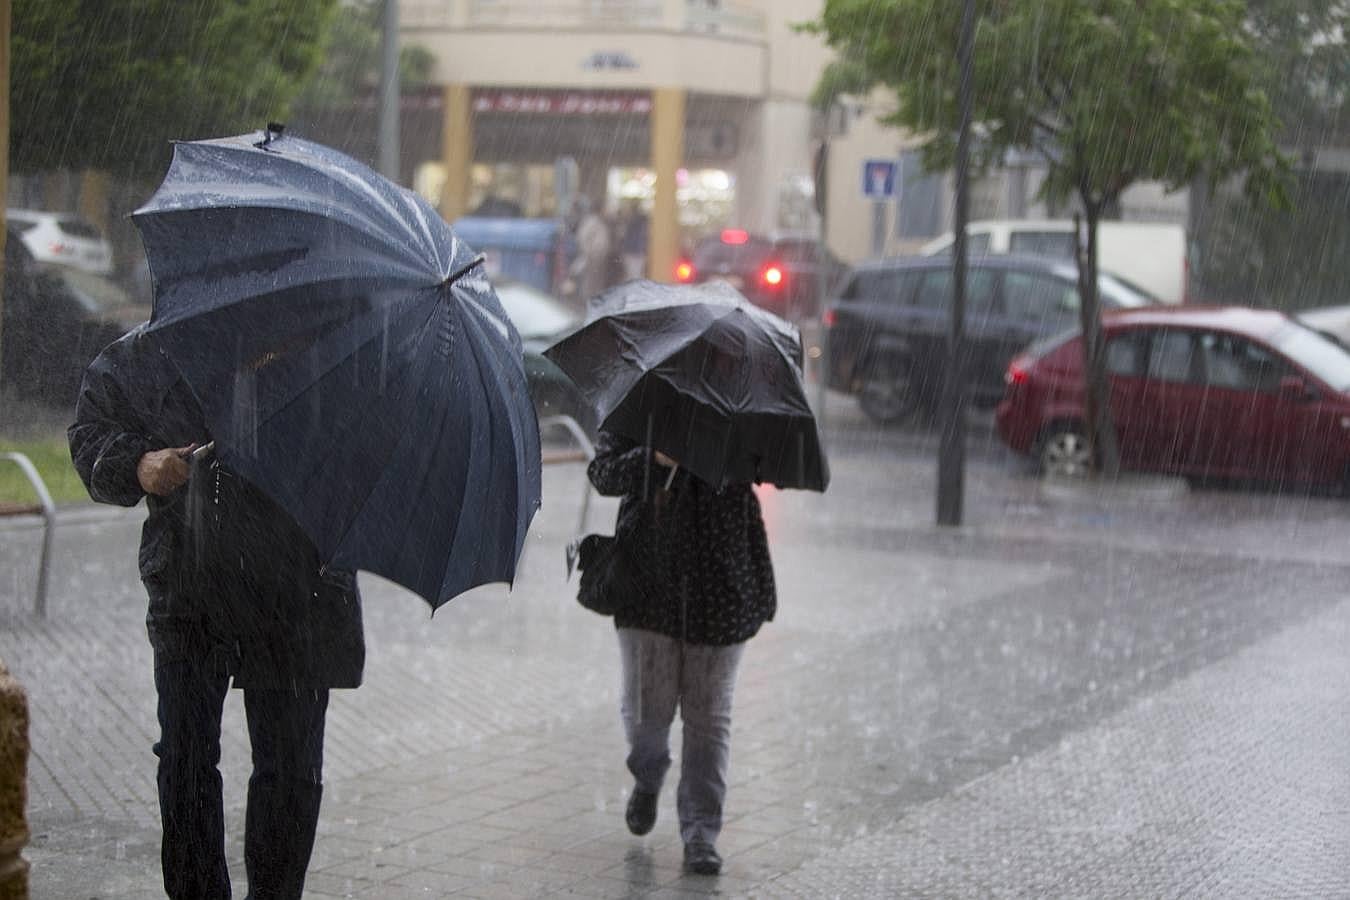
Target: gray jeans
658 673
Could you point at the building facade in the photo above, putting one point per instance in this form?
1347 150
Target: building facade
695 111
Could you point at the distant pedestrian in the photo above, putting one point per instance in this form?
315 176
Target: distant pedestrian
704 555
590 268
237 592
633 242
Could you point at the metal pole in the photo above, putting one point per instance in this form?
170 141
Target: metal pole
952 451
389 94
878 227
822 285
5 19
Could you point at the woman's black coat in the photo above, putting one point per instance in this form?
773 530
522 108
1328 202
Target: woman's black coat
243 583
702 554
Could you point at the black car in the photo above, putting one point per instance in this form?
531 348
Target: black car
780 273
887 327
56 320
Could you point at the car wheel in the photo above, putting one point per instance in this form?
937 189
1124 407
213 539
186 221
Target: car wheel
889 395
1064 451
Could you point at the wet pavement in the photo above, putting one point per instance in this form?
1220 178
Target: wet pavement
1131 689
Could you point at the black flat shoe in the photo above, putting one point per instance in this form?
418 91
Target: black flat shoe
701 858
641 814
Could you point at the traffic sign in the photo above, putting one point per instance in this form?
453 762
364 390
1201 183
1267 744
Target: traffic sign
878 178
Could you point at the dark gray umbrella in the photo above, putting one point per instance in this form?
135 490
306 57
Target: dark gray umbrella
350 356
700 374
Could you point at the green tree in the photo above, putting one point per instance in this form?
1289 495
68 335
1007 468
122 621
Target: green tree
1300 256
1108 92
107 84
1305 45
351 61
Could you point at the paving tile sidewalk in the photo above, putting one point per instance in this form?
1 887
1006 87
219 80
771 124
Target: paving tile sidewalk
1232 782
928 711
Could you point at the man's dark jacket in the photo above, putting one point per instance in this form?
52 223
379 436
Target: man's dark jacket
242 582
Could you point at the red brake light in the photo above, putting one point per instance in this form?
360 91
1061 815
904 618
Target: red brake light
684 271
830 317
734 236
771 276
1017 373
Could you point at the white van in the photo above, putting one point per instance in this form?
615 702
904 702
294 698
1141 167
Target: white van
1147 254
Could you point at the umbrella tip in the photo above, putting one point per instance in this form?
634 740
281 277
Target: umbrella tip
273 130
463 270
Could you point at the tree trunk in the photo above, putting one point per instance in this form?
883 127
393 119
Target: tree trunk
1100 424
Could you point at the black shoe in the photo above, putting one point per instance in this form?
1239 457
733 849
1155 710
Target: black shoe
641 814
701 858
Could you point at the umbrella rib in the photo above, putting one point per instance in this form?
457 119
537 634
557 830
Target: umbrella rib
491 364
393 450
464 506
324 373
464 270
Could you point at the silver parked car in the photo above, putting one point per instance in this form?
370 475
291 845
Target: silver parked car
63 238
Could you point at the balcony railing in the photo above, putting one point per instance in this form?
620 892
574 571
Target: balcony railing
698 16
733 19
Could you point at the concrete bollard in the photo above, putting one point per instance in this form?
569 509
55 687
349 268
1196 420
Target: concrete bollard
13 787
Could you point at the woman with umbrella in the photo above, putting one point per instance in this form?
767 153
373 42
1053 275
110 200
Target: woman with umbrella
700 397
705 557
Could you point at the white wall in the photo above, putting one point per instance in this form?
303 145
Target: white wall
781 149
548 58
999 194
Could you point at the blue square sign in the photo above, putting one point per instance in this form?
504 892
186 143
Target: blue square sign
878 178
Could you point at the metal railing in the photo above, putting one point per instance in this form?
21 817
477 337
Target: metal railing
730 19
543 13
573 14
583 453
45 508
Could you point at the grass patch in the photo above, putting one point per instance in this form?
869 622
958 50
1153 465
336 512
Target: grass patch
37 429
51 457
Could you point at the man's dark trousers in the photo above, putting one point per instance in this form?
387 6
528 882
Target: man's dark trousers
285 730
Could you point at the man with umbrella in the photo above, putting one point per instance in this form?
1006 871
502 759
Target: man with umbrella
236 590
361 394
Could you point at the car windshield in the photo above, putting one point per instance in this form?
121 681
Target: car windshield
79 228
1115 291
798 251
535 314
712 254
1037 349
1324 358
1058 244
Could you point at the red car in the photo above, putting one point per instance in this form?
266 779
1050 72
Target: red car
777 272
1223 392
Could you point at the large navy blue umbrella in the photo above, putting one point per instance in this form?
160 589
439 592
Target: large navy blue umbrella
350 356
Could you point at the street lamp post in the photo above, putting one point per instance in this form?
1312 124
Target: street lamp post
952 449
389 94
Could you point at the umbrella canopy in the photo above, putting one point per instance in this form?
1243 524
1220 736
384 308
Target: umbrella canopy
350 356
700 374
